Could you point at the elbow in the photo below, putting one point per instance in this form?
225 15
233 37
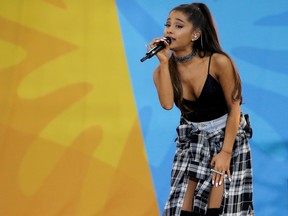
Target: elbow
167 106
167 103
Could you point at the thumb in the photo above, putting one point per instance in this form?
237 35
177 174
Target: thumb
147 47
212 162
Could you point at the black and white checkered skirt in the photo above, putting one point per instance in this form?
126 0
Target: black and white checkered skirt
195 150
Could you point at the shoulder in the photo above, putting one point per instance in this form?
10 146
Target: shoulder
221 60
221 64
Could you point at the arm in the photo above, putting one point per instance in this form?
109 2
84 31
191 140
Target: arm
162 79
224 72
164 87
226 79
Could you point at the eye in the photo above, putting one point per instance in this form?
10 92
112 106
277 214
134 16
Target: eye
167 25
179 26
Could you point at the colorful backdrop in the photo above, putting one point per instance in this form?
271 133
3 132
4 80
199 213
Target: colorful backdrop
81 129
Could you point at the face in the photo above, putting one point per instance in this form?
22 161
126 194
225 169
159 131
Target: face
180 30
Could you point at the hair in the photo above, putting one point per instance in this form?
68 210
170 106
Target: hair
200 16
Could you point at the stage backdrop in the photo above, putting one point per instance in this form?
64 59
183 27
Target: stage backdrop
81 130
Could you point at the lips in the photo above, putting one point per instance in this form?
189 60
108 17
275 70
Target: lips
172 39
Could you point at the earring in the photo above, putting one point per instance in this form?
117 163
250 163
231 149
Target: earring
201 42
195 37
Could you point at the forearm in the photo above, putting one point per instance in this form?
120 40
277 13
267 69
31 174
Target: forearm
164 86
232 126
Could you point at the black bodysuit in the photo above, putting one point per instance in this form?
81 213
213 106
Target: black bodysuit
211 103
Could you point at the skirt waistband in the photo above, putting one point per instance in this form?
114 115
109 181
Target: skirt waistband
210 126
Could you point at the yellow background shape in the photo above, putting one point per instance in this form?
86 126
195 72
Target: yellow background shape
70 138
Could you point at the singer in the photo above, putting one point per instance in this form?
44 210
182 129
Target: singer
212 173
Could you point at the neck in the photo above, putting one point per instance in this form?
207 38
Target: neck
185 58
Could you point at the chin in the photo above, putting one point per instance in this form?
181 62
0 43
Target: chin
172 48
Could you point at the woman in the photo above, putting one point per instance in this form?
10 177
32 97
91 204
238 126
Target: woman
212 172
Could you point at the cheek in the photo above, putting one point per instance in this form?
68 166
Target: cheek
185 38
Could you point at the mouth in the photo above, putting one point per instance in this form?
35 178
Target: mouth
172 39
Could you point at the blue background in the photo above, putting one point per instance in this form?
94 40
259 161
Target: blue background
254 34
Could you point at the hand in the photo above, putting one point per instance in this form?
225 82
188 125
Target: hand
221 166
164 54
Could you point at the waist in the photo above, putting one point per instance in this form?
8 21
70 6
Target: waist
210 126
201 116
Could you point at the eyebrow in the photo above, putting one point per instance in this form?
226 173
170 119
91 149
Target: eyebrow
178 19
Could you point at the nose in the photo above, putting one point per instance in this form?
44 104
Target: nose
169 30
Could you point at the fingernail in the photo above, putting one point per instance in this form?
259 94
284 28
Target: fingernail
213 182
220 183
230 179
216 184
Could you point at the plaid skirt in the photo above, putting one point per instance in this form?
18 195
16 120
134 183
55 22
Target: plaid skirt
195 150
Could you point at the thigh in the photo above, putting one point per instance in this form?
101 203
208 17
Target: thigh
189 195
215 197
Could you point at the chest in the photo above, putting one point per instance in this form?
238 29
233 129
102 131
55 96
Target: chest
193 80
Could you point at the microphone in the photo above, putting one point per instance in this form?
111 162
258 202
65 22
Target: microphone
161 45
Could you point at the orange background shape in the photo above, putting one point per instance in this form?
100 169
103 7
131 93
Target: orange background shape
70 137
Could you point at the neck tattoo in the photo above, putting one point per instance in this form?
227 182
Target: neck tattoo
186 58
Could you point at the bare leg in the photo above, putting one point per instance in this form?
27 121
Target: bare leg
215 197
189 196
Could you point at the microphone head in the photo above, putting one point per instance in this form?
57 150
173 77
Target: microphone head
168 39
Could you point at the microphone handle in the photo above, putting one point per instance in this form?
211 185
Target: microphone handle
149 55
152 52
144 58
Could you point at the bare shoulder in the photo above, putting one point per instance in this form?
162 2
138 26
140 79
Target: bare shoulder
221 64
221 60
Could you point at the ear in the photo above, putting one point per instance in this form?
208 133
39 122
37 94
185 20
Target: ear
195 35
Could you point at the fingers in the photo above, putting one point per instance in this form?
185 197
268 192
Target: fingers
220 165
213 162
155 42
218 177
229 175
148 48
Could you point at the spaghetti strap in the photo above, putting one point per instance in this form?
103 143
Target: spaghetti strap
209 63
